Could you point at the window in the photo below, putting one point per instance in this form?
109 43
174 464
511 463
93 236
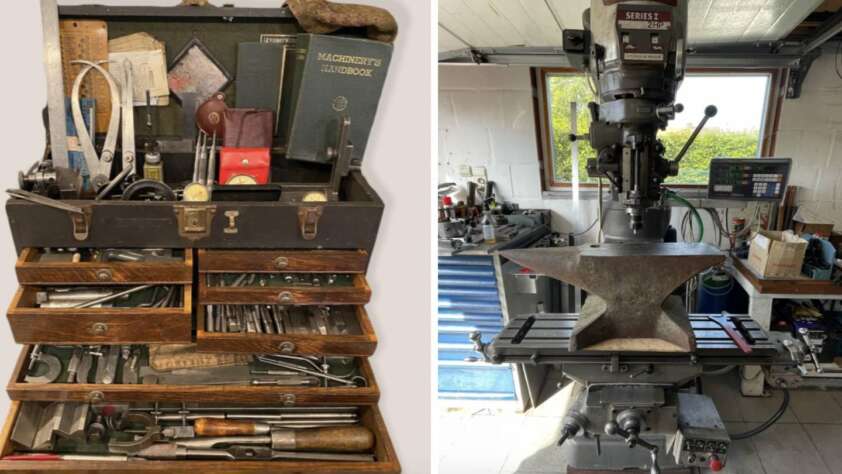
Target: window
741 129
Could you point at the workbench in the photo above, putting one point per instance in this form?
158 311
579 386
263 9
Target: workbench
762 292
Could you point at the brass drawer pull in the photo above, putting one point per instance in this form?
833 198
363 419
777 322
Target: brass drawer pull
99 329
285 297
287 347
96 397
104 275
281 263
288 399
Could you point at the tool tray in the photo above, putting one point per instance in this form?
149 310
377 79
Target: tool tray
238 217
61 390
32 324
385 459
361 343
35 266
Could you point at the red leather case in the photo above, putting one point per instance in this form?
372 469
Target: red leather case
254 163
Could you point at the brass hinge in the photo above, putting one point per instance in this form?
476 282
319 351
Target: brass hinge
194 221
309 217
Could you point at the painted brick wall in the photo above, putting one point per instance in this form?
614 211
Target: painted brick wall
810 133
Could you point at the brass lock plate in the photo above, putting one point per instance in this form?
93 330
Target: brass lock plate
194 221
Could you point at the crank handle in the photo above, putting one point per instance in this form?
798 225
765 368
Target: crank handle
479 346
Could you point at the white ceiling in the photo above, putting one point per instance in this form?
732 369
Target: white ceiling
498 23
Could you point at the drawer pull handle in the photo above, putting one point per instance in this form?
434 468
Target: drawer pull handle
104 275
281 263
96 397
99 329
288 399
287 347
285 297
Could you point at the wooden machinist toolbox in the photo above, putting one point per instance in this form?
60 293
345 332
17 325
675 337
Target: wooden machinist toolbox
194 244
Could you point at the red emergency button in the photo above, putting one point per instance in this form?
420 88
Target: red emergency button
715 464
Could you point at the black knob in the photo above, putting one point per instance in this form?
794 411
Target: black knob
710 111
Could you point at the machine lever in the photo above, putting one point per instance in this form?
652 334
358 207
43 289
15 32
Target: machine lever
479 346
568 432
632 440
710 112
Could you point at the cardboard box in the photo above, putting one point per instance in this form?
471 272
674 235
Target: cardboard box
809 222
814 228
777 254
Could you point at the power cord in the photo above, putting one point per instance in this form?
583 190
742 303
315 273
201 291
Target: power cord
766 424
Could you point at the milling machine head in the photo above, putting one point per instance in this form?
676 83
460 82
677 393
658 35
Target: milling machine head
634 53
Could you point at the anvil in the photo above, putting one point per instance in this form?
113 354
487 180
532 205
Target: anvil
629 305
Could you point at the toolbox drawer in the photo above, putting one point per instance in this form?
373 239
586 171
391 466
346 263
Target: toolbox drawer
362 345
356 292
33 269
268 261
18 389
385 458
33 325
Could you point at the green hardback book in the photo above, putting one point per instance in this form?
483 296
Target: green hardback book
331 77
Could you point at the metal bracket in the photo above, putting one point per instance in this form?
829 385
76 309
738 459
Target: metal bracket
194 222
308 218
798 74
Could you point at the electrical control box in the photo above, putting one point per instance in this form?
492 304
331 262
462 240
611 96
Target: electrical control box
701 439
763 179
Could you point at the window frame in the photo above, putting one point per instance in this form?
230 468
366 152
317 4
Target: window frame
775 94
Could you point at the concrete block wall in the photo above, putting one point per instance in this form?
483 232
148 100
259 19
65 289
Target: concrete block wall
810 132
486 119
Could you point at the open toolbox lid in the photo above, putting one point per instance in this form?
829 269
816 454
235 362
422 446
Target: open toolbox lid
326 88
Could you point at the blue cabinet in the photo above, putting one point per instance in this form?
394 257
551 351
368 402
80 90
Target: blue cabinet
469 301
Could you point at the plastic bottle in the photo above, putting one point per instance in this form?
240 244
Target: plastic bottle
488 229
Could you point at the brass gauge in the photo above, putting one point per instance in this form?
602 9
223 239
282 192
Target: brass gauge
241 180
196 192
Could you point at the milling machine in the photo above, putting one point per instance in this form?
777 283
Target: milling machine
633 349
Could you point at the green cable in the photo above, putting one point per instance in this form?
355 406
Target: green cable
672 195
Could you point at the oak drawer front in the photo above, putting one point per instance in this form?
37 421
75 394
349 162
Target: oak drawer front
386 461
362 345
33 269
18 389
358 293
268 261
33 325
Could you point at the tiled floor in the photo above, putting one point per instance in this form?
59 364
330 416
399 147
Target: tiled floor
807 439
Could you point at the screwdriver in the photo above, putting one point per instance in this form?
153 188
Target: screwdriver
345 439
